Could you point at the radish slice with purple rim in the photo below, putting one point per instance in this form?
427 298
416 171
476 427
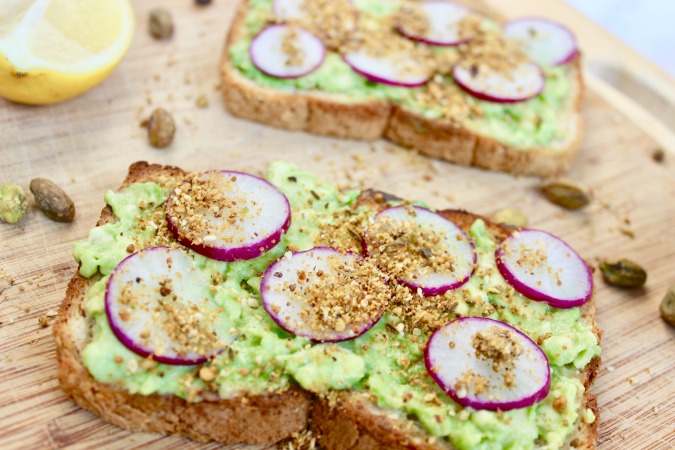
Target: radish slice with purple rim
520 83
286 51
401 70
544 268
443 19
158 305
547 42
227 215
324 294
422 249
486 364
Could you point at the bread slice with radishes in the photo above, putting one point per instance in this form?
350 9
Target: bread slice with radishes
221 306
242 417
355 419
439 76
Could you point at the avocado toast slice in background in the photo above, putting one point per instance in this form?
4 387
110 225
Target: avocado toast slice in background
342 417
536 137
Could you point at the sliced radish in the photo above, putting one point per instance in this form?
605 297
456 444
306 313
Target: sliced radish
547 42
324 294
486 364
286 51
443 19
288 9
227 215
544 268
158 306
521 83
395 70
294 10
422 249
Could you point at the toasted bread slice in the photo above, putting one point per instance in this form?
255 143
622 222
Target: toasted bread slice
255 419
353 421
348 420
341 116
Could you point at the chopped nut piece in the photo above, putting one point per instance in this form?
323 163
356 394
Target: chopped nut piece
541 339
658 155
43 321
488 310
668 306
560 404
566 193
165 287
147 364
623 273
207 374
160 24
471 381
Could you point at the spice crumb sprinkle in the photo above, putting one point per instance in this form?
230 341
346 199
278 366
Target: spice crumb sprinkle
501 347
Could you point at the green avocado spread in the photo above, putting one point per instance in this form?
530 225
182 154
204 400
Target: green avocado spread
386 362
532 123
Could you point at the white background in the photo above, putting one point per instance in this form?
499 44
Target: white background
646 25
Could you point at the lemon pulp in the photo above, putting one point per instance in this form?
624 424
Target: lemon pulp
52 50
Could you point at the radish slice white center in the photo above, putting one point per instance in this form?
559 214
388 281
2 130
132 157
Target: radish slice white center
158 304
516 85
542 267
324 294
485 364
286 51
227 215
396 70
442 20
546 42
288 9
424 250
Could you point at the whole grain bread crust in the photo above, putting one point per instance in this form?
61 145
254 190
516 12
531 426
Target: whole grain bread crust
337 115
353 421
255 419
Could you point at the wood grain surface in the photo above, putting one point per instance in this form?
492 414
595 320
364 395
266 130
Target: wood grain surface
85 145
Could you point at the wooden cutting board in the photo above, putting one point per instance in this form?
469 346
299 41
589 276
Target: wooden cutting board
85 145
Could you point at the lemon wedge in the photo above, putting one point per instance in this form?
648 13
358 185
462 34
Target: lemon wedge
52 50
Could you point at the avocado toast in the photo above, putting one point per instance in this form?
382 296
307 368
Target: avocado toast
269 384
538 136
